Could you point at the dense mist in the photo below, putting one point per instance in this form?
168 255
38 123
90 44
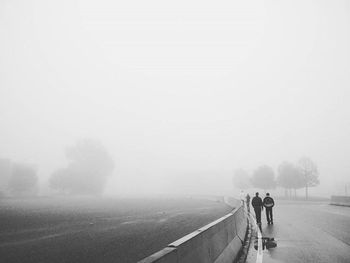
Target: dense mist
179 94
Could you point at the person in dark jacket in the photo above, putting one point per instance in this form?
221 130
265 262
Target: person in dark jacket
248 202
258 206
268 204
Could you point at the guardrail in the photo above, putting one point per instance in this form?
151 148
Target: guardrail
217 242
340 200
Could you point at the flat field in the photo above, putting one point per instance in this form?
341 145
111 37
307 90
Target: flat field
97 229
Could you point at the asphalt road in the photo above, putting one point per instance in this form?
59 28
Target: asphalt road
97 230
306 232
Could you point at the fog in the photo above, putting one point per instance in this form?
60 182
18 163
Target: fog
180 94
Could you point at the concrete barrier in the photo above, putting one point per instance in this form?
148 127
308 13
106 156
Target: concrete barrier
217 242
230 201
340 200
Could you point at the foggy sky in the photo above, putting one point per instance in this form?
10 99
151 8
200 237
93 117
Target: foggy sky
177 88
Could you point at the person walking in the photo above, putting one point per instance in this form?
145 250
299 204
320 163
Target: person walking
242 197
268 204
258 206
248 202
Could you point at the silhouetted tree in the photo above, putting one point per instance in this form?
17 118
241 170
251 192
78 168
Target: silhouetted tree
289 177
309 174
23 180
89 166
241 179
264 178
61 180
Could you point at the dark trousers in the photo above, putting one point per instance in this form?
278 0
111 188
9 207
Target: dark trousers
257 211
269 214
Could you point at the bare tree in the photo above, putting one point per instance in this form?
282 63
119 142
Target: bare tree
289 177
309 173
264 178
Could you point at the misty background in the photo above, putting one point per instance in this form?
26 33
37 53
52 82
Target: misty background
180 94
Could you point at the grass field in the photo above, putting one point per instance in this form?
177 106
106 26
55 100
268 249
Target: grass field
97 230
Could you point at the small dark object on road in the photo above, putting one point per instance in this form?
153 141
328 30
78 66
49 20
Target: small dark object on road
267 243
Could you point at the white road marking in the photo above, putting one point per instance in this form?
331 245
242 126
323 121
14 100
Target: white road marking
259 255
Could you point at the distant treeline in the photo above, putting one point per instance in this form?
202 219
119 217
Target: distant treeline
89 165
290 176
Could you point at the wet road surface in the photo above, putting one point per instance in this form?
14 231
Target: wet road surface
306 232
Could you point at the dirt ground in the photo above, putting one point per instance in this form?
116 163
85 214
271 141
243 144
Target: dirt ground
97 229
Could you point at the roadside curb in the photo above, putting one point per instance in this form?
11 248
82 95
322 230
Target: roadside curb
242 255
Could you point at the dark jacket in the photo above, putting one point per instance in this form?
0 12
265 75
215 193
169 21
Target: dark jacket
257 202
268 202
